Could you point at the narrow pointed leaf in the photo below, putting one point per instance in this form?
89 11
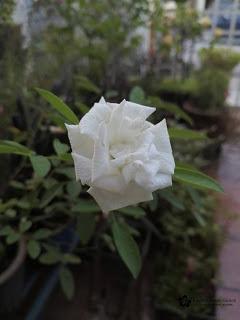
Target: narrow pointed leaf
181 133
196 179
59 105
13 147
67 282
126 247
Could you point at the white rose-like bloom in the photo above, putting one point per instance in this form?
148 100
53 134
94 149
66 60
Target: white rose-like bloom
120 155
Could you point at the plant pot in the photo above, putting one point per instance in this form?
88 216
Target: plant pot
12 281
212 121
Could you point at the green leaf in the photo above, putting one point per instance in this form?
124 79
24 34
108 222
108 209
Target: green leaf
59 147
50 194
87 85
59 105
127 247
42 234
33 248
82 107
5 231
73 188
135 212
13 237
172 199
196 179
41 165
17 185
71 258
185 165
67 282
23 204
24 226
196 198
137 95
199 218
50 257
186 134
13 147
170 107
86 206
11 213
86 224
67 171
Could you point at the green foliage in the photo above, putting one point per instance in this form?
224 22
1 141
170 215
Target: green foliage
190 239
7 146
67 282
33 248
126 247
135 212
212 85
185 134
222 59
86 223
137 95
197 179
59 105
170 107
6 11
41 165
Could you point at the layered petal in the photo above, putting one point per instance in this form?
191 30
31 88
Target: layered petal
83 168
161 137
135 110
112 183
101 161
80 143
91 121
109 201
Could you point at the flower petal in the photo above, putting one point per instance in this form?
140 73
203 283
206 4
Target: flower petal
91 121
109 201
161 140
80 143
83 168
115 122
134 110
112 183
101 161
166 163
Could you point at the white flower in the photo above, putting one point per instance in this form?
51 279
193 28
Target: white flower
120 155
